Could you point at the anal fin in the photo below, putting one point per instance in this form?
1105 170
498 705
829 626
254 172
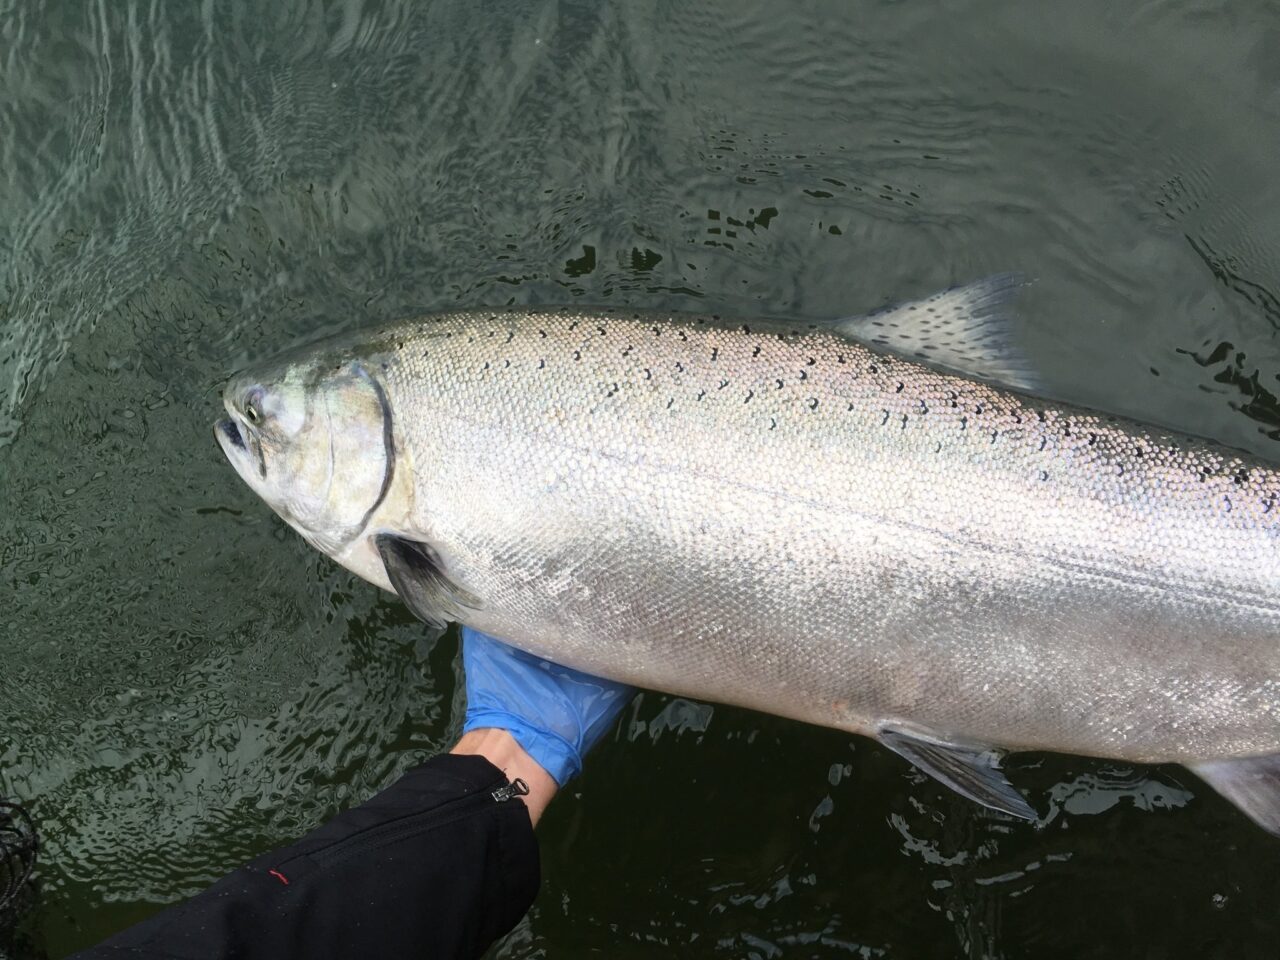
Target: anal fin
415 571
970 770
1251 783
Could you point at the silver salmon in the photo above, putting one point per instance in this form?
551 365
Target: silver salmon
869 524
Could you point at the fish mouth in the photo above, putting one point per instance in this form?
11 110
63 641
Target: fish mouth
228 433
245 454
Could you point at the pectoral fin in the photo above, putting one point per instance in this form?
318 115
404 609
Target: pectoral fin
415 571
968 769
1251 783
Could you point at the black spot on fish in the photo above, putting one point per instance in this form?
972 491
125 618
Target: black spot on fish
778 384
648 374
756 351
511 335
679 367
813 403
627 352
773 424
577 354
886 417
542 334
715 353
904 421
1241 477
964 423
701 394
684 337
839 358
601 329
670 402
810 362
745 328
542 363
750 394
803 375
573 326
1044 474
899 387
506 364
723 384
873 368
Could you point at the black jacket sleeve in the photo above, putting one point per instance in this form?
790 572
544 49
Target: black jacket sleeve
439 865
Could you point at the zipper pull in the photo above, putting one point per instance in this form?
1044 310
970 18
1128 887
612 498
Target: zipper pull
516 788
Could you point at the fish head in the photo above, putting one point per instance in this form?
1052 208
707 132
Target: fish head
313 438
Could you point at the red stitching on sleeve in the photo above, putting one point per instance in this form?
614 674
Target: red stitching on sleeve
279 876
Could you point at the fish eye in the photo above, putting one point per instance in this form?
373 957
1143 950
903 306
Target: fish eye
251 413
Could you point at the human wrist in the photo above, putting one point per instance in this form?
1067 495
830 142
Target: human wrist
501 749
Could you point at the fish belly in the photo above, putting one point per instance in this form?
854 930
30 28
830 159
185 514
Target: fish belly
838 617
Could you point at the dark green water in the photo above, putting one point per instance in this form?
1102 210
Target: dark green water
184 187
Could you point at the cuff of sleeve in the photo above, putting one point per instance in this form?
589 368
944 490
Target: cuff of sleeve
553 753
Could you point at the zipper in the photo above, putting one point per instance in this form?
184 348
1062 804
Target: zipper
516 788
412 824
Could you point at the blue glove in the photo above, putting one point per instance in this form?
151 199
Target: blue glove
554 713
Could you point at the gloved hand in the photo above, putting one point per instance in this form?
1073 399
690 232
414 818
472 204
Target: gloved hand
554 713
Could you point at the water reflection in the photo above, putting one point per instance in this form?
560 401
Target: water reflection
185 187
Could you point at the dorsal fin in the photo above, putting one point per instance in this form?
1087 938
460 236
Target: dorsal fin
965 330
